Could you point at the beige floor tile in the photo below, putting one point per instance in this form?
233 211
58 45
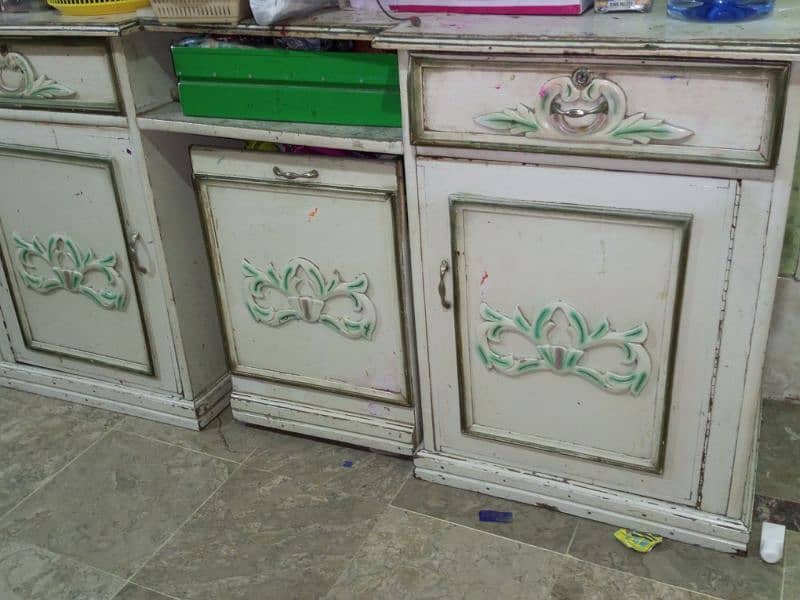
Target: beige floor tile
263 536
28 572
223 437
410 556
113 506
530 524
700 569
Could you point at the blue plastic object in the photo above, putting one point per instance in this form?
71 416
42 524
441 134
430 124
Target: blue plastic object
495 516
719 10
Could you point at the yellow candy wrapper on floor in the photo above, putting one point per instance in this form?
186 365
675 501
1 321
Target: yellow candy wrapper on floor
637 540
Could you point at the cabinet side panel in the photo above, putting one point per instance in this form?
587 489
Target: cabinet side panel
169 171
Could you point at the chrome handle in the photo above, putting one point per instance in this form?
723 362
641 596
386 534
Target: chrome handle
576 113
135 239
312 174
443 269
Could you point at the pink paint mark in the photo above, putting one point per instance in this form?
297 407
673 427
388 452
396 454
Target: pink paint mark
312 214
542 92
484 277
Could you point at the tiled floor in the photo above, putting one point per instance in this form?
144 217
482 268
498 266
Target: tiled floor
95 506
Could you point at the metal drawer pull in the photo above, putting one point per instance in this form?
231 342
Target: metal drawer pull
443 269
312 174
563 98
577 113
134 239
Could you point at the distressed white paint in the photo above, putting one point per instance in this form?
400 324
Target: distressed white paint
652 34
170 118
55 195
733 123
341 219
550 260
82 66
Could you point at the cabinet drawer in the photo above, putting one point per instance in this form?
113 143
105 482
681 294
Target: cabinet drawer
307 269
722 113
58 75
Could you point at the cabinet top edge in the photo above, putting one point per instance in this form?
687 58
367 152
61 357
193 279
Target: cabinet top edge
53 24
776 37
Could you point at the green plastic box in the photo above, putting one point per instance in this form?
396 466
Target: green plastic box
273 84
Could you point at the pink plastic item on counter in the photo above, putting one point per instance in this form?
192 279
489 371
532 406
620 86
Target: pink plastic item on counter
494 7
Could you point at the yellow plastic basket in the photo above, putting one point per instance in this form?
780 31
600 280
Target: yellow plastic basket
95 8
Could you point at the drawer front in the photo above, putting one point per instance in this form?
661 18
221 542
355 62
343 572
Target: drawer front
722 113
306 265
57 75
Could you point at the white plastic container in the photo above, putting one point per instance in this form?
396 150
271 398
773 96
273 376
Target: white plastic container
267 12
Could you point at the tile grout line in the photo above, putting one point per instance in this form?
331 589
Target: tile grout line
50 478
569 556
358 549
149 589
572 539
172 444
369 532
169 538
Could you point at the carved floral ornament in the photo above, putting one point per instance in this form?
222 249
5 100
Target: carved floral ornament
29 85
561 359
307 291
584 108
68 268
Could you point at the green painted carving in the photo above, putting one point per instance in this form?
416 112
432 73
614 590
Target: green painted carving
29 85
69 270
301 273
565 360
550 119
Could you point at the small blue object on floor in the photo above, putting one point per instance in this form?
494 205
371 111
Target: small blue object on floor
495 516
347 463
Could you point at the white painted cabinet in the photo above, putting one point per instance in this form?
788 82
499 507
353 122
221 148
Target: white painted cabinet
75 250
308 260
578 313
88 311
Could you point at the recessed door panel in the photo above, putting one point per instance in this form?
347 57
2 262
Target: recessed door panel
67 261
308 275
563 326
570 332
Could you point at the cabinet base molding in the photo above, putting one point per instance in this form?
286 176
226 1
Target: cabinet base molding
676 522
168 408
361 430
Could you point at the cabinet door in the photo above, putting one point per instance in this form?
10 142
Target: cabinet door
71 219
573 318
307 269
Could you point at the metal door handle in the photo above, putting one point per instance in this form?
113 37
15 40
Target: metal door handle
312 174
443 269
134 239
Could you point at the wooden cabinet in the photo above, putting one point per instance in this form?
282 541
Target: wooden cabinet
576 329
84 288
308 255
75 249
594 329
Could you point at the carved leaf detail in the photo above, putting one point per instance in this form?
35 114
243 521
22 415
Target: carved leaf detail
548 120
29 86
68 268
560 359
304 307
